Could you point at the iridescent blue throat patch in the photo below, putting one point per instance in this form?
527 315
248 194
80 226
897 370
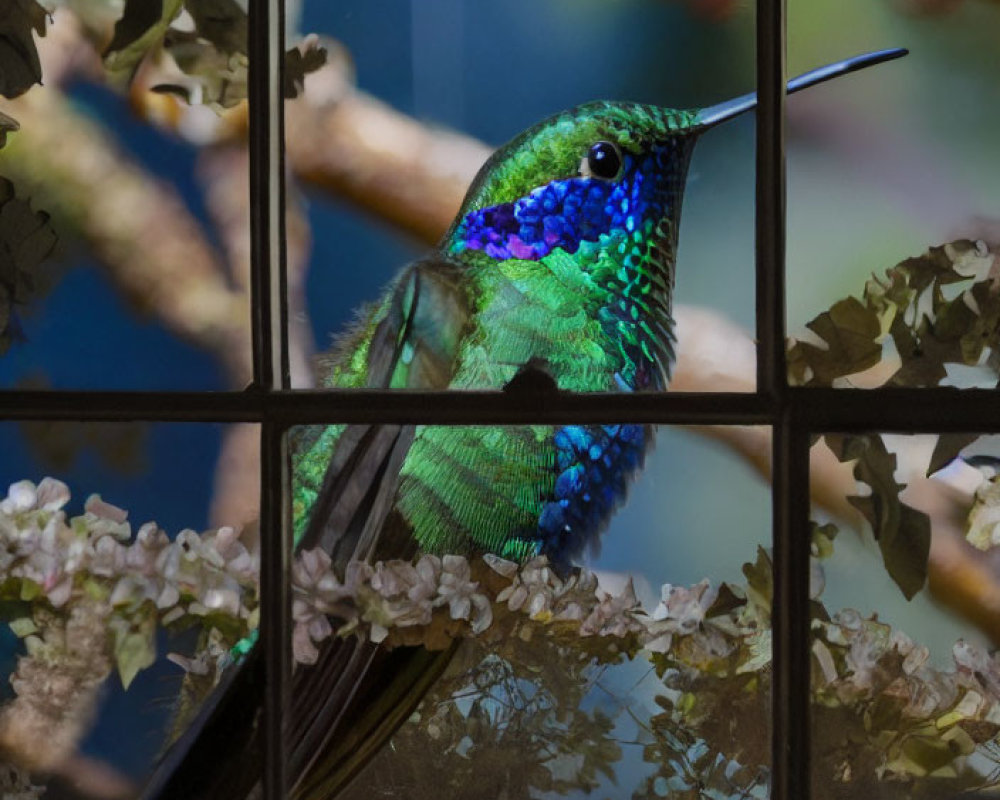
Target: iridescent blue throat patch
567 212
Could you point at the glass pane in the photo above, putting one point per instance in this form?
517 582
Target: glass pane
391 132
906 684
890 169
127 569
140 161
607 666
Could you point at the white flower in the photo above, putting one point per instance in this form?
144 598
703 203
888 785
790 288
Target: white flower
501 566
21 496
106 519
108 557
613 615
52 494
682 610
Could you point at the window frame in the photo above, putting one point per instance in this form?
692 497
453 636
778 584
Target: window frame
794 414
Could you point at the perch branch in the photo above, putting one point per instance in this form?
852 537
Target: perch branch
223 170
138 227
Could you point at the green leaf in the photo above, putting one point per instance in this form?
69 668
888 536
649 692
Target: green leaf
142 27
947 449
902 532
7 125
223 23
135 649
26 240
906 549
24 626
19 65
849 330
299 62
760 580
822 539
927 753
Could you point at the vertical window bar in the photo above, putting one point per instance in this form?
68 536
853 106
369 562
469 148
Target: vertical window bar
790 620
275 607
790 454
770 198
269 312
270 356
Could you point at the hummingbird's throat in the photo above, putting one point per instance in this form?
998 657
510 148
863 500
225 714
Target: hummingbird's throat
561 214
572 211
635 274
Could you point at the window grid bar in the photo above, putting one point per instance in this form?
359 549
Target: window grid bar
790 690
276 605
790 610
769 240
892 410
269 325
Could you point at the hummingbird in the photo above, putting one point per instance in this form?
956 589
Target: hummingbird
559 266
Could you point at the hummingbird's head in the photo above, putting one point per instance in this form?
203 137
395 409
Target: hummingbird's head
596 191
597 170
597 173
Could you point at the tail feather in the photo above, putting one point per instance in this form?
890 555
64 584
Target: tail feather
216 757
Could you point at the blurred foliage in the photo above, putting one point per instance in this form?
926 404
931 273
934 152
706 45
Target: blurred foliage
60 445
26 240
931 7
983 522
7 125
199 48
929 312
19 65
121 446
26 237
912 310
513 721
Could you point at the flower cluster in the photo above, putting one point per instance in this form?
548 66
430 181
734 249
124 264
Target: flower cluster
190 574
928 716
537 591
44 554
377 600
96 581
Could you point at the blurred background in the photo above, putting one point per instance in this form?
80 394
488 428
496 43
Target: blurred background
147 194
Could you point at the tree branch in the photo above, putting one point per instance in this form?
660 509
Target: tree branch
139 228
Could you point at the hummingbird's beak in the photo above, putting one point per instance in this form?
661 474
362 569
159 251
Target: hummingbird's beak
713 115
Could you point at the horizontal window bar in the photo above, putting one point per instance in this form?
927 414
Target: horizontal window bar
371 406
903 410
934 410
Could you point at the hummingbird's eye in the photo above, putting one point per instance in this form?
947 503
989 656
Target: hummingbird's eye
603 160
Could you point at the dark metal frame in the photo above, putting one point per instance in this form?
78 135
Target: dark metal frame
794 414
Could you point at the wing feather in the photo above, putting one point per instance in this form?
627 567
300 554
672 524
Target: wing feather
356 695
